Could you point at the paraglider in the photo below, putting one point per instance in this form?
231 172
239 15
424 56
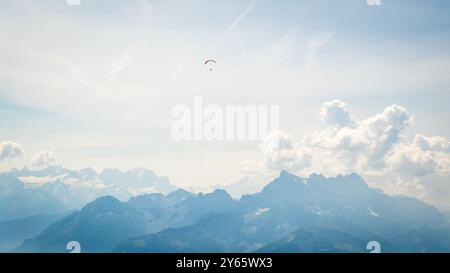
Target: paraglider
210 63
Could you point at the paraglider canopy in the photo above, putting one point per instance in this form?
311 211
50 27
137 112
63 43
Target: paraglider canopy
209 62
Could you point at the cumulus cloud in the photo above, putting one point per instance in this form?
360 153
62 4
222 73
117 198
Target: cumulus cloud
282 152
43 159
436 144
336 113
10 150
376 146
426 155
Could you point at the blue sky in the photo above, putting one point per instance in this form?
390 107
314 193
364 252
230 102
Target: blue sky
96 83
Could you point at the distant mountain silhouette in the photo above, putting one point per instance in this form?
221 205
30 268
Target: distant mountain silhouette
17 201
246 185
98 227
104 223
179 195
290 214
317 214
139 178
71 189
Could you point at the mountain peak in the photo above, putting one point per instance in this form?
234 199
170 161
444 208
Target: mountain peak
179 195
285 174
286 184
220 192
102 204
216 195
353 180
142 172
148 200
107 199
355 176
288 178
111 171
317 176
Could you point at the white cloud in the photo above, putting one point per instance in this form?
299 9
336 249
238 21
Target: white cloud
44 158
436 144
376 146
10 150
336 113
426 155
282 152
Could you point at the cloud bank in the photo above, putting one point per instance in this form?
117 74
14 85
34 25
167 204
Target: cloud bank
376 146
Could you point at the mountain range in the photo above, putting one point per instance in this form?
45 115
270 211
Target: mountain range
56 189
104 223
18 201
290 214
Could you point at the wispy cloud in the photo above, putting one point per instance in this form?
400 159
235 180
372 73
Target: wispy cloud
122 61
241 16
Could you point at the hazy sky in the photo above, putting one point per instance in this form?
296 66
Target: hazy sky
94 85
